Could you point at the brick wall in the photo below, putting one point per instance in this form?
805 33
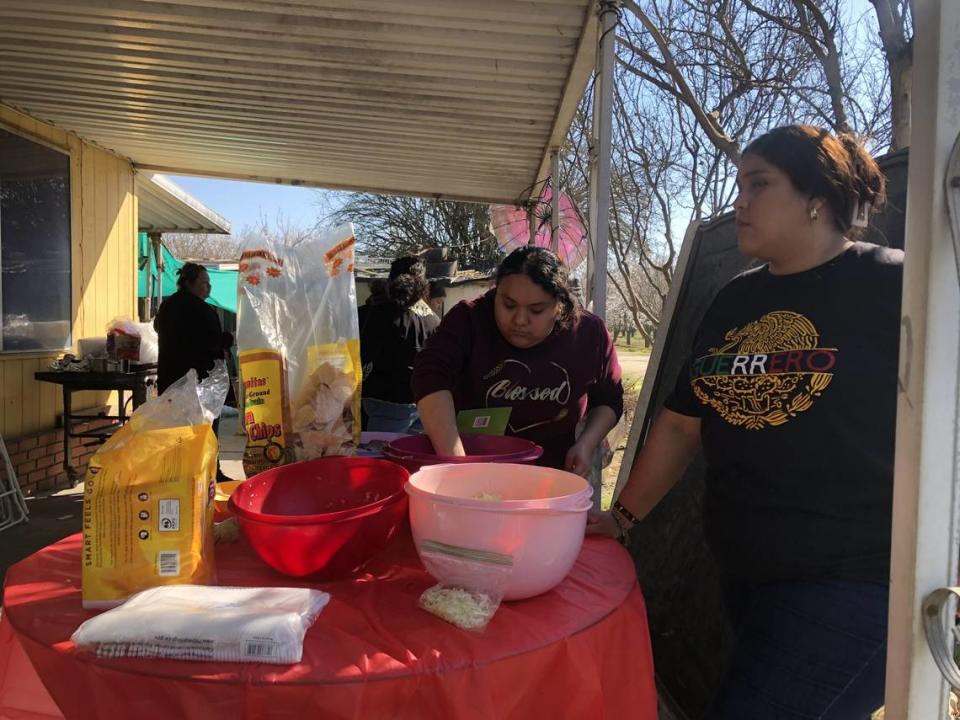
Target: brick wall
38 459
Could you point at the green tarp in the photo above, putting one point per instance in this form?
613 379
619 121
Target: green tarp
223 283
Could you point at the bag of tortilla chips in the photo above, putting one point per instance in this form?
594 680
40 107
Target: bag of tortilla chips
299 348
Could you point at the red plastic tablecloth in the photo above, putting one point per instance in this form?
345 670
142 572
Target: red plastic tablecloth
579 651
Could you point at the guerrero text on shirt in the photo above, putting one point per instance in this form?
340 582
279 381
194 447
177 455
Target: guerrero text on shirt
795 380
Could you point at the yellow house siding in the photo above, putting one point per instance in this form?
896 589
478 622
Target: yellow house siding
103 261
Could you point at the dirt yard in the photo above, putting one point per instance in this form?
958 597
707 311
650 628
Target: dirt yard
633 363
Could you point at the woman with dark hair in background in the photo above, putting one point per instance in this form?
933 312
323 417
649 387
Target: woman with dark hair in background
791 390
525 345
392 332
189 333
437 296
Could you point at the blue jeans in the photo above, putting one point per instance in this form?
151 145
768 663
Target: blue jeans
806 651
383 416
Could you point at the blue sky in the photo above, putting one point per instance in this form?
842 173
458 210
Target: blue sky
243 203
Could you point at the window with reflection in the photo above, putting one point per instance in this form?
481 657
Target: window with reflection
35 287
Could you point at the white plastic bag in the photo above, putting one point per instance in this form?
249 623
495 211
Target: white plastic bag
472 586
149 342
299 349
123 339
212 390
196 622
185 402
131 340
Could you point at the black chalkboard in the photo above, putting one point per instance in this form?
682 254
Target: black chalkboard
691 639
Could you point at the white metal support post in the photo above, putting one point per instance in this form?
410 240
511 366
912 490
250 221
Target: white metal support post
924 555
592 210
603 120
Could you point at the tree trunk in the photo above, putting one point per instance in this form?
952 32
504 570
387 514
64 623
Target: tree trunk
898 49
901 85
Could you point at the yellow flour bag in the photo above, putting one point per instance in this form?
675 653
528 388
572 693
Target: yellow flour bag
148 502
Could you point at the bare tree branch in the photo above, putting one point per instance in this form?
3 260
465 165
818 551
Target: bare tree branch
707 121
192 246
389 226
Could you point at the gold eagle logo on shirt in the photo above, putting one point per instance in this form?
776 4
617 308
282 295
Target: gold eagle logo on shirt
766 372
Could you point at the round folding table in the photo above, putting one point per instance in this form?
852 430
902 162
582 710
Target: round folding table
579 651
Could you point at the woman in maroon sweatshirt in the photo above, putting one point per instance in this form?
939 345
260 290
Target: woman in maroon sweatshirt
525 345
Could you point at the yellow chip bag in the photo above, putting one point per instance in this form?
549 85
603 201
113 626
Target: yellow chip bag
148 511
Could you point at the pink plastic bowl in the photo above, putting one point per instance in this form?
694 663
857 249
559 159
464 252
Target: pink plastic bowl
326 517
539 519
415 451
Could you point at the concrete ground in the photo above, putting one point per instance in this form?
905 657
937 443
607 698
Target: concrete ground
53 517
232 442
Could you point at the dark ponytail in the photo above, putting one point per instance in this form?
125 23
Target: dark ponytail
546 270
407 282
868 181
835 168
187 275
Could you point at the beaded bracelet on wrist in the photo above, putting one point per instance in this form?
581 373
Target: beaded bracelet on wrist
626 514
623 536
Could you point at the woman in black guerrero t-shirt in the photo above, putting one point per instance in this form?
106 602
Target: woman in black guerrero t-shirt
791 391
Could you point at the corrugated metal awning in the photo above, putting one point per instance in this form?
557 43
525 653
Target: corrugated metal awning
166 207
454 99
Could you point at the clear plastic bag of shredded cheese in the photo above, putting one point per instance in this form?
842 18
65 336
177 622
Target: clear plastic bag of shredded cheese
472 583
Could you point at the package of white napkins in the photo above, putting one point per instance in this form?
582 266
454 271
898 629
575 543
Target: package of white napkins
199 622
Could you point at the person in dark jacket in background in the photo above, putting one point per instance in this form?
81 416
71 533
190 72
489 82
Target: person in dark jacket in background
392 332
189 333
378 296
188 329
438 296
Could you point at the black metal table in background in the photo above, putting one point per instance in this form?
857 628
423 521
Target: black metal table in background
136 381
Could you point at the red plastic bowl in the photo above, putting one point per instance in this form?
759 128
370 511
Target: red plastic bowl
416 451
326 517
